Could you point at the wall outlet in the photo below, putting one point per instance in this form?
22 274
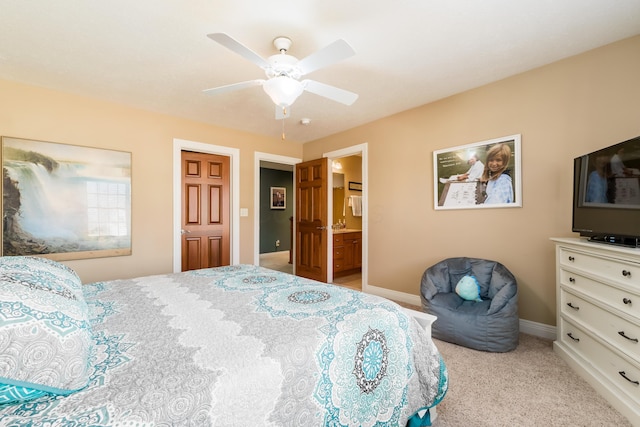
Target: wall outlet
277 243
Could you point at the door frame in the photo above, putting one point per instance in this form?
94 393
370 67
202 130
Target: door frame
234 204
354 150
273 158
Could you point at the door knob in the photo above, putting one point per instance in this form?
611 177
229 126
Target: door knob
185 231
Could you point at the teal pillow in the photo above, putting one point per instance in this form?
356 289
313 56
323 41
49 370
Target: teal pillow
44 328
468 288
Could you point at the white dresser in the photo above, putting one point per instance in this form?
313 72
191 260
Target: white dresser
598 323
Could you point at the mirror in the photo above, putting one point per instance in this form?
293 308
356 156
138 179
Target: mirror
338 180
338 197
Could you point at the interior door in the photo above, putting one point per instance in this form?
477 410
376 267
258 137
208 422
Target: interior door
311 219
205 210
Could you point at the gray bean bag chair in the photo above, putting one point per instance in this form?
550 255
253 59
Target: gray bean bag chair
488 323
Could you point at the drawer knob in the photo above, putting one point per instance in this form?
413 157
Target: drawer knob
626 300
573 338
572 280
624 375
622 334
571 258
573 306
626 273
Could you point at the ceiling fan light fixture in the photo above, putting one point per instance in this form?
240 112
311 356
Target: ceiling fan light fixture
283 90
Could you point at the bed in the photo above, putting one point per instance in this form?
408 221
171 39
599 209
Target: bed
239 345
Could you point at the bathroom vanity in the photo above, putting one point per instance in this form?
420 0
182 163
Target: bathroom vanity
347 252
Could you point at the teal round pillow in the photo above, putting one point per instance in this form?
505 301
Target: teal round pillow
468 288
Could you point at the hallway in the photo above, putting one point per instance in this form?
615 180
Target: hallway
280 261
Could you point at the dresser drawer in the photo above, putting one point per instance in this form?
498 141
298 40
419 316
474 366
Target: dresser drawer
619 371
619 332
610 268
625 301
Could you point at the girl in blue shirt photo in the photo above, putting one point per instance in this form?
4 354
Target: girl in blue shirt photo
499 188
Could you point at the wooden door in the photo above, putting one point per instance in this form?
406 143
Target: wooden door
357 252
311 219
205 211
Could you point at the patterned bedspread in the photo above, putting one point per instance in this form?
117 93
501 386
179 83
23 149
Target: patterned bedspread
244 346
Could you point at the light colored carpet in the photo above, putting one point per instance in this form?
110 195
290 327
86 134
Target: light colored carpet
530 386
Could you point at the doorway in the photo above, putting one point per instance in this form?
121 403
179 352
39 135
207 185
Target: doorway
350 187
360 150
180 145
273 257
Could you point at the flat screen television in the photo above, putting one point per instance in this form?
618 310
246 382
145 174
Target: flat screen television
606 194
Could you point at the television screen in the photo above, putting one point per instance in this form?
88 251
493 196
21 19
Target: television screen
606 199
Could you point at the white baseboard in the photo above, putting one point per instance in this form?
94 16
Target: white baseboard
526 326
393 295
538 329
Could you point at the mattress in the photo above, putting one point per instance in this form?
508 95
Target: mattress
241 345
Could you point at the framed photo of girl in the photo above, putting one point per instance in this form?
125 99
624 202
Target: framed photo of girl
481 175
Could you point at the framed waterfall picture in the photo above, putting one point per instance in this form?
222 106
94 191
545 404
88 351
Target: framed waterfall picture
484 174
65 201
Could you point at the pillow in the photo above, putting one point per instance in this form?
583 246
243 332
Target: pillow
468 288
45 335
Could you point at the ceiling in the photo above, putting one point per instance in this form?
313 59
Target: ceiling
155 54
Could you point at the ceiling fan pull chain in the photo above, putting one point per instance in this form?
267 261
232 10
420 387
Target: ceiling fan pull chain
284 114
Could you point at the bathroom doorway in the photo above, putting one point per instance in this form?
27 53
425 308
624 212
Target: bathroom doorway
348 216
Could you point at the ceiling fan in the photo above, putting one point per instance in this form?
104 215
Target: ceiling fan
283 72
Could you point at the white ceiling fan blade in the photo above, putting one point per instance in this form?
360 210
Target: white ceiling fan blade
233 87
237 47
331 92
283 113
335 52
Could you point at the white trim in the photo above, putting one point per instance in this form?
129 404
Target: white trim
234 153
395 295
540 330
275 158
360 149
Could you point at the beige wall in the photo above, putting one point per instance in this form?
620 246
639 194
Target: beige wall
561 110
40 114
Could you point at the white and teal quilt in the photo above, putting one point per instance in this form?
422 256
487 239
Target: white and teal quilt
243 346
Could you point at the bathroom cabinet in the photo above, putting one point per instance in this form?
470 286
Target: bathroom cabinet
347 253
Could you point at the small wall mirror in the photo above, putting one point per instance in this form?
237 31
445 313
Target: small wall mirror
338 180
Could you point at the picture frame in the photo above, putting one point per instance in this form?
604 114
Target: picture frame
356 186
464 180
64 201
278 198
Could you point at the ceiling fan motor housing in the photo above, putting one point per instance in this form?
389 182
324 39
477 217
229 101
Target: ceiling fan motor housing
283 65
282 43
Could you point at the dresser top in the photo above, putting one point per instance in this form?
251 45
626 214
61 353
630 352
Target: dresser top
583 242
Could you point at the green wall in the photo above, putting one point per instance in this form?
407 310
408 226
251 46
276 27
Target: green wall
274 223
